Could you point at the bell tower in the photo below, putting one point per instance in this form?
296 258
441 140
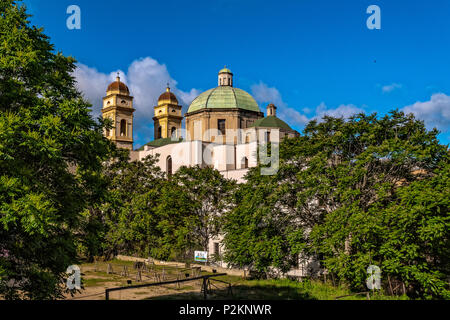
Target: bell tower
118 106
168 116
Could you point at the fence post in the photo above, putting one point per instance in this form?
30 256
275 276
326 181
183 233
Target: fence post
139 276
204 286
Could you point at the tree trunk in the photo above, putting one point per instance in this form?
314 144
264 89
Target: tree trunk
390 285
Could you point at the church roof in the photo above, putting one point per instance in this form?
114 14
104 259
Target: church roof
118 87
160 142
167 97
271 122
224 97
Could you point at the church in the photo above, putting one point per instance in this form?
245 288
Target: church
223 128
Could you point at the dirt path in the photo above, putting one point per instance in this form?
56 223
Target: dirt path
96 281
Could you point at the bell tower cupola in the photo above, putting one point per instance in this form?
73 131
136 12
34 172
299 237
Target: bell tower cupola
168 116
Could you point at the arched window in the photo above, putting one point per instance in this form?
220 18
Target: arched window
169 166
221 126
172 131
123 127
108 132
158 135
268 136
245 163
247 138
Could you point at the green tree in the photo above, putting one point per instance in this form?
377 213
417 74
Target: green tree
51 154
260 232
127 212
353 173
190 211
415 228
333 196
266 230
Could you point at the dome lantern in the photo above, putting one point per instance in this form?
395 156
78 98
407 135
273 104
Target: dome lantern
225 77
271 110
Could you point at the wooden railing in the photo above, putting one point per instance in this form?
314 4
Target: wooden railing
205 285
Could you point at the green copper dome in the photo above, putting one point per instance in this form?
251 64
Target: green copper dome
271 122
224 97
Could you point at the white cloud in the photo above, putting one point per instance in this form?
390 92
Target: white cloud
147 80
391 87
92 85
435 112
292 116
344 111
265 94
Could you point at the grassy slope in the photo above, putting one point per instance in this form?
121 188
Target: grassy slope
279 290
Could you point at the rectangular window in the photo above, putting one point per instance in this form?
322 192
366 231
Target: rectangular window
216 248
221 126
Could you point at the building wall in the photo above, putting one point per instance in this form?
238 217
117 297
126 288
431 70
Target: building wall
227 159
204 124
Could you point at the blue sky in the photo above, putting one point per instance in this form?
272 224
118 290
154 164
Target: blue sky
308 57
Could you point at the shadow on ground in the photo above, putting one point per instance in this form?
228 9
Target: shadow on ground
243 292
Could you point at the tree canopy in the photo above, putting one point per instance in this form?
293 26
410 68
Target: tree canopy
190 210
343 196
51 153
